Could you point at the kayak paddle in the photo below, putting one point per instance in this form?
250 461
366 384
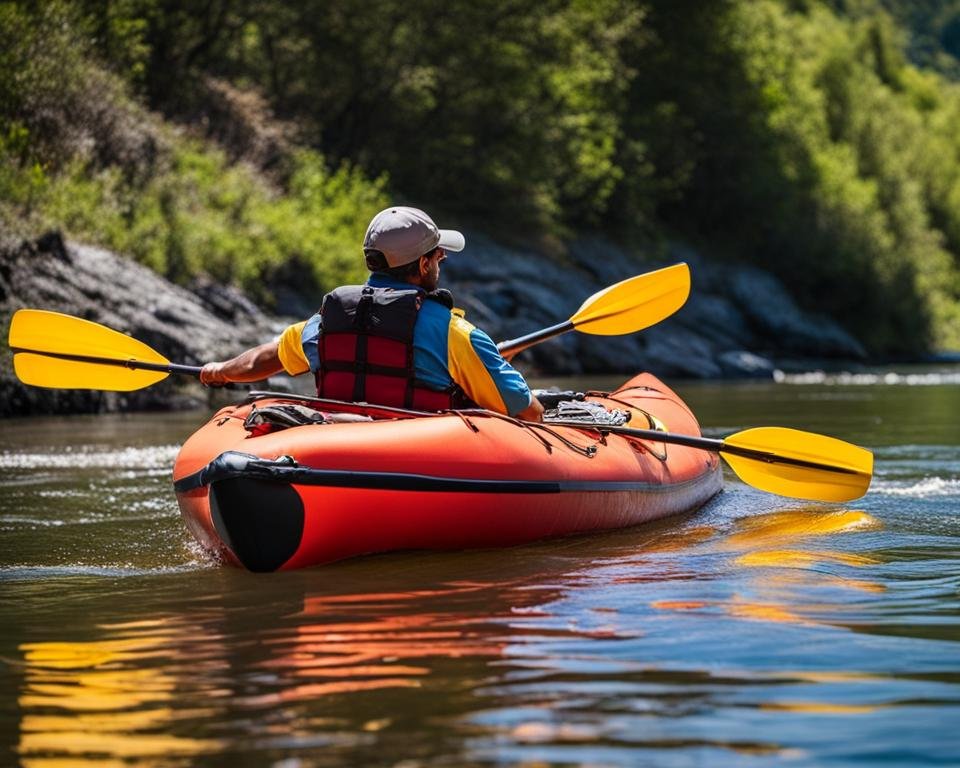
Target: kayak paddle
625 307
784 461
60 351
64 352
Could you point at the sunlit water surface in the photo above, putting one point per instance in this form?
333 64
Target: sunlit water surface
757 631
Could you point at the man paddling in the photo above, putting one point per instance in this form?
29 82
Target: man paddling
397 340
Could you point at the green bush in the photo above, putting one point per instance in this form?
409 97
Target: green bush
200 215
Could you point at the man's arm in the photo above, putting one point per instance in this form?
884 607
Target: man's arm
253 365
475 363
533 412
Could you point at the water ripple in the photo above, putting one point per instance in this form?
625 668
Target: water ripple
891 378
152 457
922 489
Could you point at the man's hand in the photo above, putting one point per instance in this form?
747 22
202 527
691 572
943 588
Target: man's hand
533 412
255 364
212 375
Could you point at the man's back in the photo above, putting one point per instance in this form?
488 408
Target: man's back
447 351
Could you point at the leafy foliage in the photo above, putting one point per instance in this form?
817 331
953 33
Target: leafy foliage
175 204
815 137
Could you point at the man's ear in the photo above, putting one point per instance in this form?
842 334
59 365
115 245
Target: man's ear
424 266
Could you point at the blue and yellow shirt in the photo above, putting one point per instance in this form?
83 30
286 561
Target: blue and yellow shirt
446 350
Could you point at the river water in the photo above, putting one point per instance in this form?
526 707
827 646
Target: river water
757 631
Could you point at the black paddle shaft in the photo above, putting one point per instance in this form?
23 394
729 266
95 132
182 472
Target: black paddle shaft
190 370
522 342
712 444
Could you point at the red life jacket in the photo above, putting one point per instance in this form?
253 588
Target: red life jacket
366 349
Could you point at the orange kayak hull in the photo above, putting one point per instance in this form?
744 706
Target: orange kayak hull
314 494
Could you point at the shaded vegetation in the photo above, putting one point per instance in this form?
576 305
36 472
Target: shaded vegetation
817 139
77 152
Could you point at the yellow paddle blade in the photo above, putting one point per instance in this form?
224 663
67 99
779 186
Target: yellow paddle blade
38 331
634 304
40 371
832 469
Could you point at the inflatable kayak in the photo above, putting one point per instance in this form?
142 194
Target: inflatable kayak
278 482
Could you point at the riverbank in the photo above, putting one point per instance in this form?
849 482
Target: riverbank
740 322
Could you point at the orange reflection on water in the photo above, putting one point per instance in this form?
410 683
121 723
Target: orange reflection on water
374 650
682 540
315 690
820 707
679 605
832 676
765 612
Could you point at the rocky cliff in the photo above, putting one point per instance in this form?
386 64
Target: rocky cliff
187 326
738 322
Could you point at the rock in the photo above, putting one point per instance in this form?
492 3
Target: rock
733 316
718 319
776 317
97 285
676 351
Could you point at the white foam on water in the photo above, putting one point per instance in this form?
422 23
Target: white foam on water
16 522
926 488
151 457
928 379
38 572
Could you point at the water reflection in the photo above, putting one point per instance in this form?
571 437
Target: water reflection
254 675
788 573
116 697
660 643
374 649
755 631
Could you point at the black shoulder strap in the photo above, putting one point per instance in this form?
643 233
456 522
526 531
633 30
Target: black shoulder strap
443 296
361 324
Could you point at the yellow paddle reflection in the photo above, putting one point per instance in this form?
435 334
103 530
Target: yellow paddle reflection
773 545
795 558
827 708
104 702
767 530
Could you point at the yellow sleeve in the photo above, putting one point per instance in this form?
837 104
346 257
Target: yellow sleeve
291 350
467 369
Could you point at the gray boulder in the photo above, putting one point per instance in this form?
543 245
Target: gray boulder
735 320
772 312
97 285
